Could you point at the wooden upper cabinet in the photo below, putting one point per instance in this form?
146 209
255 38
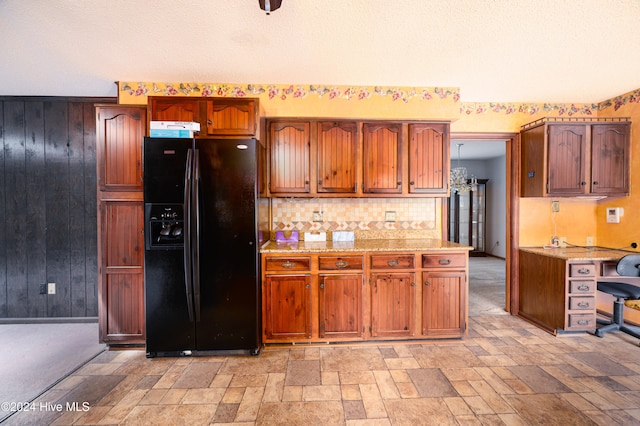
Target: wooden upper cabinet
587 157
567 159
165 108
121 130
382 158
429 158
217 116
610 158
337 146
289 157
231 117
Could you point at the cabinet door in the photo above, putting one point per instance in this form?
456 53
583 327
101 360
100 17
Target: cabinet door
340 305
174 109
444 304
121 130
610 159
121 279
382 159
429 158
289 159
337 148
567 159
287 310
231 117
393 304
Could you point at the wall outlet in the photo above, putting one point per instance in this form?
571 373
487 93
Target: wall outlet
590 241
562 241
389 216
555 206
51 288
317 217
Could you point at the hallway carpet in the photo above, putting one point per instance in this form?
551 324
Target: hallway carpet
507 372
33 357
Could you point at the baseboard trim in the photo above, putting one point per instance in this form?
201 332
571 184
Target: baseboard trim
55 320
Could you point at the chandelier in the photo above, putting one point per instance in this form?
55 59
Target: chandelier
458 181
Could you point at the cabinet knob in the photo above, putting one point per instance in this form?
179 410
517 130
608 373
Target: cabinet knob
444 261
393 262
411 183
341 264
209 122
287 264
583 183
595 182
583 287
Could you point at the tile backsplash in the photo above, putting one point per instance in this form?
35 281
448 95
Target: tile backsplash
413 216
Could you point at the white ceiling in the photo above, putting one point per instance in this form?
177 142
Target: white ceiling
478 149
493 50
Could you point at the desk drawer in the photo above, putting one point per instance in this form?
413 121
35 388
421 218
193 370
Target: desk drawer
582 270
392 261
340 262
288 263
582 322
582 303
582 287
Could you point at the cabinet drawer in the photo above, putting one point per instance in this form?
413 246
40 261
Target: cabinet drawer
392 261
582 270
579 303
582 287
288 263
443 260
340 262
582 321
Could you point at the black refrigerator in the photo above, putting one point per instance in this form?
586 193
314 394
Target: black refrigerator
201 247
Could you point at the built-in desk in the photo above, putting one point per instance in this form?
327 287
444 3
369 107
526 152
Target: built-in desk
558 287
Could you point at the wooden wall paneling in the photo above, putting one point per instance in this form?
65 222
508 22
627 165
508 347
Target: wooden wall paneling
90 211
36 209
3 234
57 198
15 206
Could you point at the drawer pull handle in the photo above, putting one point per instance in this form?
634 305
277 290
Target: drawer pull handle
584 271
583 322
444 261
288 264
583 287
584 304
393 262
341 264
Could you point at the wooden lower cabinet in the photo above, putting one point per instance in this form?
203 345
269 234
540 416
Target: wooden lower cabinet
443 298
340 305
121 278
347 296
287 307
393 301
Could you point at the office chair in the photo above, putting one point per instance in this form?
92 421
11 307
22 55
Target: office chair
628 266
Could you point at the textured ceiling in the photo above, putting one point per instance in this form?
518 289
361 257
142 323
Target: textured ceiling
493 50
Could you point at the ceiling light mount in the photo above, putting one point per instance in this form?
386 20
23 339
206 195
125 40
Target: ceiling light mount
270 5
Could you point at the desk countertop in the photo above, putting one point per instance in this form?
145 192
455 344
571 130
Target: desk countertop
579 253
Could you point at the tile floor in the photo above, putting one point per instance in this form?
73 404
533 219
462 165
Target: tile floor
505 372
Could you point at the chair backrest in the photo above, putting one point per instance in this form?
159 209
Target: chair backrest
629 266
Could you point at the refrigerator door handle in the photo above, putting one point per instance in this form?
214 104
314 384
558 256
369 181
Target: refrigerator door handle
196 243
188 277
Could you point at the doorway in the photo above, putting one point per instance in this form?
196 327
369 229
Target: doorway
490 156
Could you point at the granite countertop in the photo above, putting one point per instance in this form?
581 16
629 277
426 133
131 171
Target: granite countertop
579 253
364 245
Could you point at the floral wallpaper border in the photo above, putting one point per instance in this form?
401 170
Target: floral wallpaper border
405 94
290 91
